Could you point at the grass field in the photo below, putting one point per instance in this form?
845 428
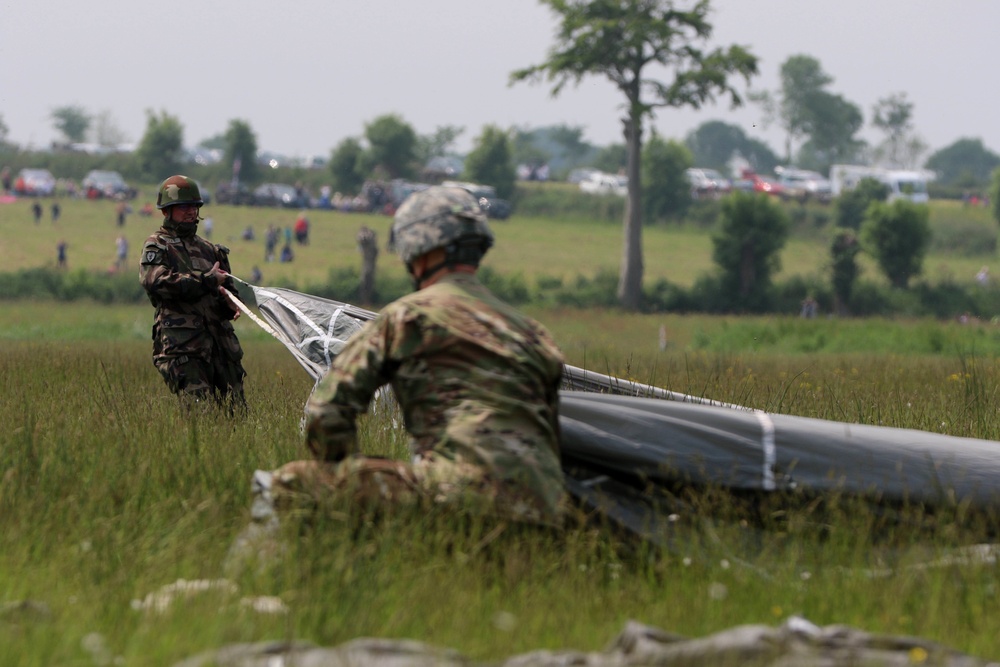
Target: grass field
531 247
108 492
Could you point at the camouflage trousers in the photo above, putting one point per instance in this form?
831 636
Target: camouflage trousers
361 481
194 378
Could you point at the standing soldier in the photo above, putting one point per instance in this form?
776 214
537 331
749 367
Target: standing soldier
194 345
477 382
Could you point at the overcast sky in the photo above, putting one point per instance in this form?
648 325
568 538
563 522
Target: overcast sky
308 73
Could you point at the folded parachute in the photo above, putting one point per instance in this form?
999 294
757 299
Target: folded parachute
619 437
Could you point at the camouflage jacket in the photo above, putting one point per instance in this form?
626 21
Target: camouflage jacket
171 271
476 380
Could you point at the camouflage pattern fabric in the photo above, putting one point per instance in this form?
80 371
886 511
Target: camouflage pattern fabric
478 386
195 347
438 217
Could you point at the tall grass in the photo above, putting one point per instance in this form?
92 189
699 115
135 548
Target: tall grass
108 491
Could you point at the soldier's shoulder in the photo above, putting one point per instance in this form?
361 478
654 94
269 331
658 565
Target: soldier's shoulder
223 249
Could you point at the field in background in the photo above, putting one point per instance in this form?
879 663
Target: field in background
531 247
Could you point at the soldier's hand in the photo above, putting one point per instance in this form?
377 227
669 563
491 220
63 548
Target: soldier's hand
214 276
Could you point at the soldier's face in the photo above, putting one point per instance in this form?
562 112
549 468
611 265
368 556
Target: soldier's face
184 213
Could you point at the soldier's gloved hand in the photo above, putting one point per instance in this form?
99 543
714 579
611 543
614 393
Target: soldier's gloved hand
214 276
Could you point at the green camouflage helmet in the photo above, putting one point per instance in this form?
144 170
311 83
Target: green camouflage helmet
440 217
178 190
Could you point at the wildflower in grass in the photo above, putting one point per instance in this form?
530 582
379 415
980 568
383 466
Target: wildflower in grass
917 655
717 591
504 621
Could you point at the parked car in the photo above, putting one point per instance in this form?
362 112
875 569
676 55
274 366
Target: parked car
279 194
100 183
486 195
803 184
600 183
34 183
707 183
235 195
754 182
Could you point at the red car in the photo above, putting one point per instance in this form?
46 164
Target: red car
753 182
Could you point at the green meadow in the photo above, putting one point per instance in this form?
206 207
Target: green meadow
110 492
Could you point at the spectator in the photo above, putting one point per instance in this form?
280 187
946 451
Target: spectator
206 227
302 229
121 253
270 243
121 211
56 211
61 254
255 275
286 253
36 211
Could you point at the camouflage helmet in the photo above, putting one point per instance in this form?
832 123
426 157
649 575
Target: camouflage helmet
441 217
178 190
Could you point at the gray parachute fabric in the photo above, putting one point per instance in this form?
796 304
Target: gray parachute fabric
619 437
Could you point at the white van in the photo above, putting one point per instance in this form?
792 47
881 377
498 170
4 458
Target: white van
902 183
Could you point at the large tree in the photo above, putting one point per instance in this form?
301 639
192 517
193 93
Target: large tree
715 144
966 162
106 132
161 148
3 132
807 111
893 115
392 146
619 39
489 162
240 150
439 143
72 122
345 166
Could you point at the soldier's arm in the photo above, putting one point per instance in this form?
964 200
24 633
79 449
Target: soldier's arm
162 282
345 391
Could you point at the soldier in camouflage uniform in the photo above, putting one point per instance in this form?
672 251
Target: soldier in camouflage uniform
194 346
477 382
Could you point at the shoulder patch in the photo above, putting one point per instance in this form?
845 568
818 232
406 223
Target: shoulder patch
152 253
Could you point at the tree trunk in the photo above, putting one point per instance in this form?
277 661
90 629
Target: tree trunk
630 277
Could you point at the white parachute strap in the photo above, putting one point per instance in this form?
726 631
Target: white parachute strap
243 308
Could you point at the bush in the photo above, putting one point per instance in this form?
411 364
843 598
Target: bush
71 286
568 201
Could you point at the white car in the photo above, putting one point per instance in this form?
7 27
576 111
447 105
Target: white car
707 183
605 184
803 184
